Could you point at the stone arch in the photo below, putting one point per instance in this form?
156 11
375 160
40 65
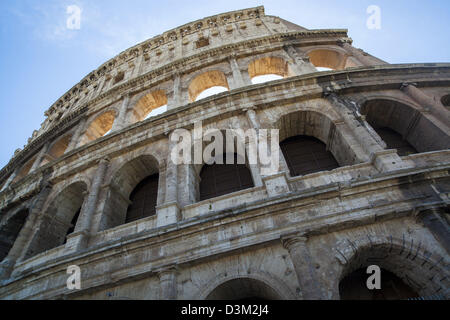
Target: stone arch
220 179
236 145
206 80
146 104
99 126
320 126
123 181
269 65
10 229
57 149
417 266
330 58
25 169
257 285
59 218
407 121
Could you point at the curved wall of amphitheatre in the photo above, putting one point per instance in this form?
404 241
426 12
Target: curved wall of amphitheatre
111 131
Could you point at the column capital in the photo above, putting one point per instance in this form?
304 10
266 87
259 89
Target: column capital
165 271
420 214
293 239
407 84
124 95
232 56
104 160
167 281
249 108
168 133
329 91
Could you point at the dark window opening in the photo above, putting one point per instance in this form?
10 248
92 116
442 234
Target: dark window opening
354 287
143 199
10 231
220 179
73 224
305 155
394 140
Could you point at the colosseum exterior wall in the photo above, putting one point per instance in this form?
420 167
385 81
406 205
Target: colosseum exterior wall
287 237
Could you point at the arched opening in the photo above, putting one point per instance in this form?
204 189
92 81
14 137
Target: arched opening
394 140
446 101
322 139
60 219
214 80
243 289
268 69
150 105
143 199
305 155
354 287
57 149
25 169
321 69
408 270
219 179
10 231
99 127
418 133
134 193
210 92
266 78
325 60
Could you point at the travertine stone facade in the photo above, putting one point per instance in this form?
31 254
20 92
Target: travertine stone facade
288 237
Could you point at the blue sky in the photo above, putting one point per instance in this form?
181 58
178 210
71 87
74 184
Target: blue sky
40 59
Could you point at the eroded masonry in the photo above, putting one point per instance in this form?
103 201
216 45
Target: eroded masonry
363 177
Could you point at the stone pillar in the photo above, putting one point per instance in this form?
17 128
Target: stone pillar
76 136
119 122
78 239
356 123
171 176
101 84
138 65
169 212
428 103
300 65
19 247
10 179
175 102
40 156
363 57
303 264
238 79
276 184
252 118
189 185
167 283
433 220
